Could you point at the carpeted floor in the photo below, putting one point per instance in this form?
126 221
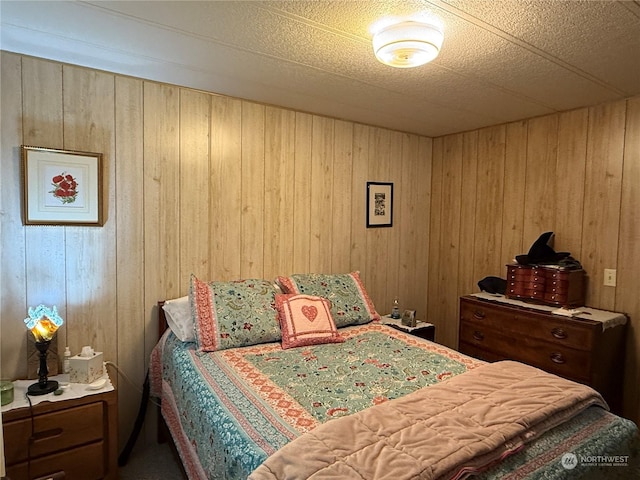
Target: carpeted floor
151 461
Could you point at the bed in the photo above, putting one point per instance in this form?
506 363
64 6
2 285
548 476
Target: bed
360 399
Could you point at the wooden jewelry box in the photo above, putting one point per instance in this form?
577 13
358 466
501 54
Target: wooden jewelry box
549 285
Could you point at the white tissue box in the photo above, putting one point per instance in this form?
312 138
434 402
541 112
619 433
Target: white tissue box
86 369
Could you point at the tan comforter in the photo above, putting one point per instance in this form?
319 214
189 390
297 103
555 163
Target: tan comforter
440 431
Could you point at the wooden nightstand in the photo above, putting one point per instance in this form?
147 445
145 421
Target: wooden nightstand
422 329
74 439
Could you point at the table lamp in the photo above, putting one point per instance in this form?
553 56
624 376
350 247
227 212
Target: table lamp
43 322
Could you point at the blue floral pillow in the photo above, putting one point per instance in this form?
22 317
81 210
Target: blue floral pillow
350 302
233 314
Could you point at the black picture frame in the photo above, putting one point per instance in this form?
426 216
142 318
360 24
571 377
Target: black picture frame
379 204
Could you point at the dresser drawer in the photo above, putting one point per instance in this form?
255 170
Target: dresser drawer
559 359
518 324
53 432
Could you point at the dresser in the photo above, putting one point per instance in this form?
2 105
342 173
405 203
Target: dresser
581 349
74 439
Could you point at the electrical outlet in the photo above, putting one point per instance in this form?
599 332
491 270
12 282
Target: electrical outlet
609 277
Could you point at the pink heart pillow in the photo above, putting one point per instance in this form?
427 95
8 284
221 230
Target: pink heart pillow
305 320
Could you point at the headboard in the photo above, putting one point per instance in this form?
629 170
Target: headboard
162 319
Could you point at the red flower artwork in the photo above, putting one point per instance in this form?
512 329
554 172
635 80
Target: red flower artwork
65 188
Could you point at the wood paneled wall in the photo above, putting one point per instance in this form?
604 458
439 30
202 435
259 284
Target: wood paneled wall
224 188
194 183
495 190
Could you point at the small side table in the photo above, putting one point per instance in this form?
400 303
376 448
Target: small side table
422 329
72 436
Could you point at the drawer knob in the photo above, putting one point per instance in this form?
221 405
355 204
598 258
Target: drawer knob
559 333
478 335
557 357
478 314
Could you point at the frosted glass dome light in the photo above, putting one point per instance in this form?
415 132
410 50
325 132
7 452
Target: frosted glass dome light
407 44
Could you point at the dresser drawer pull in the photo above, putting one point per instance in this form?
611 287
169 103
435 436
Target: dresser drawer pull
559 333
478 315
46 435
478 335
53 476
557 357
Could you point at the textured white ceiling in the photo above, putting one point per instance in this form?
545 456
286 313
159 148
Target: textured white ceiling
502 60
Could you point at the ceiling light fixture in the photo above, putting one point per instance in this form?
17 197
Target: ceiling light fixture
407 44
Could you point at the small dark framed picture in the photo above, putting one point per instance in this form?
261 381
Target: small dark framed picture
379 204
61 187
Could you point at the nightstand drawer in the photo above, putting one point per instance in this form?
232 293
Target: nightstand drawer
53 432
82 463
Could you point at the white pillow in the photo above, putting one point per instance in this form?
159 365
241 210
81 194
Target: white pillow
178 313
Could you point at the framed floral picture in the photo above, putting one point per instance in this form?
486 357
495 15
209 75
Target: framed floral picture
61 187
379 204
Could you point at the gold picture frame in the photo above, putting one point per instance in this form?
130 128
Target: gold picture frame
61 187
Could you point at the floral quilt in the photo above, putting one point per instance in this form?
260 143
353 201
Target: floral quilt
254 400
231 409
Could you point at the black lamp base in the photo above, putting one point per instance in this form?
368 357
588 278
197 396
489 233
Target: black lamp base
42 388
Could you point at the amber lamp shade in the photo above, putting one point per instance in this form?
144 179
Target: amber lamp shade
43 323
